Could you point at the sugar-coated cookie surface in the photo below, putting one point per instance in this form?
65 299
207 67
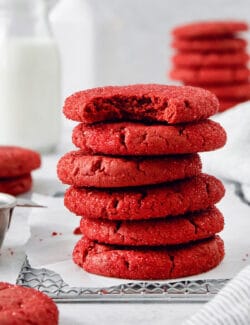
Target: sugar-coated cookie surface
167 231
78 169
208 45
16 185
149 263
129 138
16 161
209 28
171 199
20 305
187 59
207 76
142 102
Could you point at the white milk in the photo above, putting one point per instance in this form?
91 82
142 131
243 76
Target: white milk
29 93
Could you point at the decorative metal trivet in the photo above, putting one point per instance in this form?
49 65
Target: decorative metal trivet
53 285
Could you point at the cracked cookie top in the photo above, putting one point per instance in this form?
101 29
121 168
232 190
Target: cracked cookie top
141 102
155 232
135 139
78 169
171 199
145 263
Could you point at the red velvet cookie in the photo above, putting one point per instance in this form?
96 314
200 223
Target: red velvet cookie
210 45
149 102
20 305
16 161
187 60
231 91
179 197
75 168
147 263
209 28
210 76
16 185
226 104
135 139
155 232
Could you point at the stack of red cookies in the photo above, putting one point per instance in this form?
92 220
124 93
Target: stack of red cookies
211 56
147 210
16 165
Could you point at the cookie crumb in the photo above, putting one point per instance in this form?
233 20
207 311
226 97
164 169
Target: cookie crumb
77 231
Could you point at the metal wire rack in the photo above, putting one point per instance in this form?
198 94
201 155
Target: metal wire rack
53 285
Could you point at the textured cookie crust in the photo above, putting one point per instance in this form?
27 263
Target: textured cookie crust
232 91
167 231
210 59
150 102
208 45
128 138
209 28
171 199
149 263
20 305
16 161
16 185
101 171
208 76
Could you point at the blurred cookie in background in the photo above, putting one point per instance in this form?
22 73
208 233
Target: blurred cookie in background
213 55
16 164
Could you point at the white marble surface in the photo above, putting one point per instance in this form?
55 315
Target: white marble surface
126 314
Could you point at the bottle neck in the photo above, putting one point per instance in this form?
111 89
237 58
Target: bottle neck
24 18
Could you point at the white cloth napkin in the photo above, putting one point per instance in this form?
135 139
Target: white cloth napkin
233 161
231 306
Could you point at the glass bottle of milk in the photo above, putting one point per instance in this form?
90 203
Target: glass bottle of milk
29 77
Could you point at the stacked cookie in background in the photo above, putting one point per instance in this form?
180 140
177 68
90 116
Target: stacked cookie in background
16 165
147 210
211 55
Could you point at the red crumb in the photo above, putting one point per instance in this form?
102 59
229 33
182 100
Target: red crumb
54 233
77 231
